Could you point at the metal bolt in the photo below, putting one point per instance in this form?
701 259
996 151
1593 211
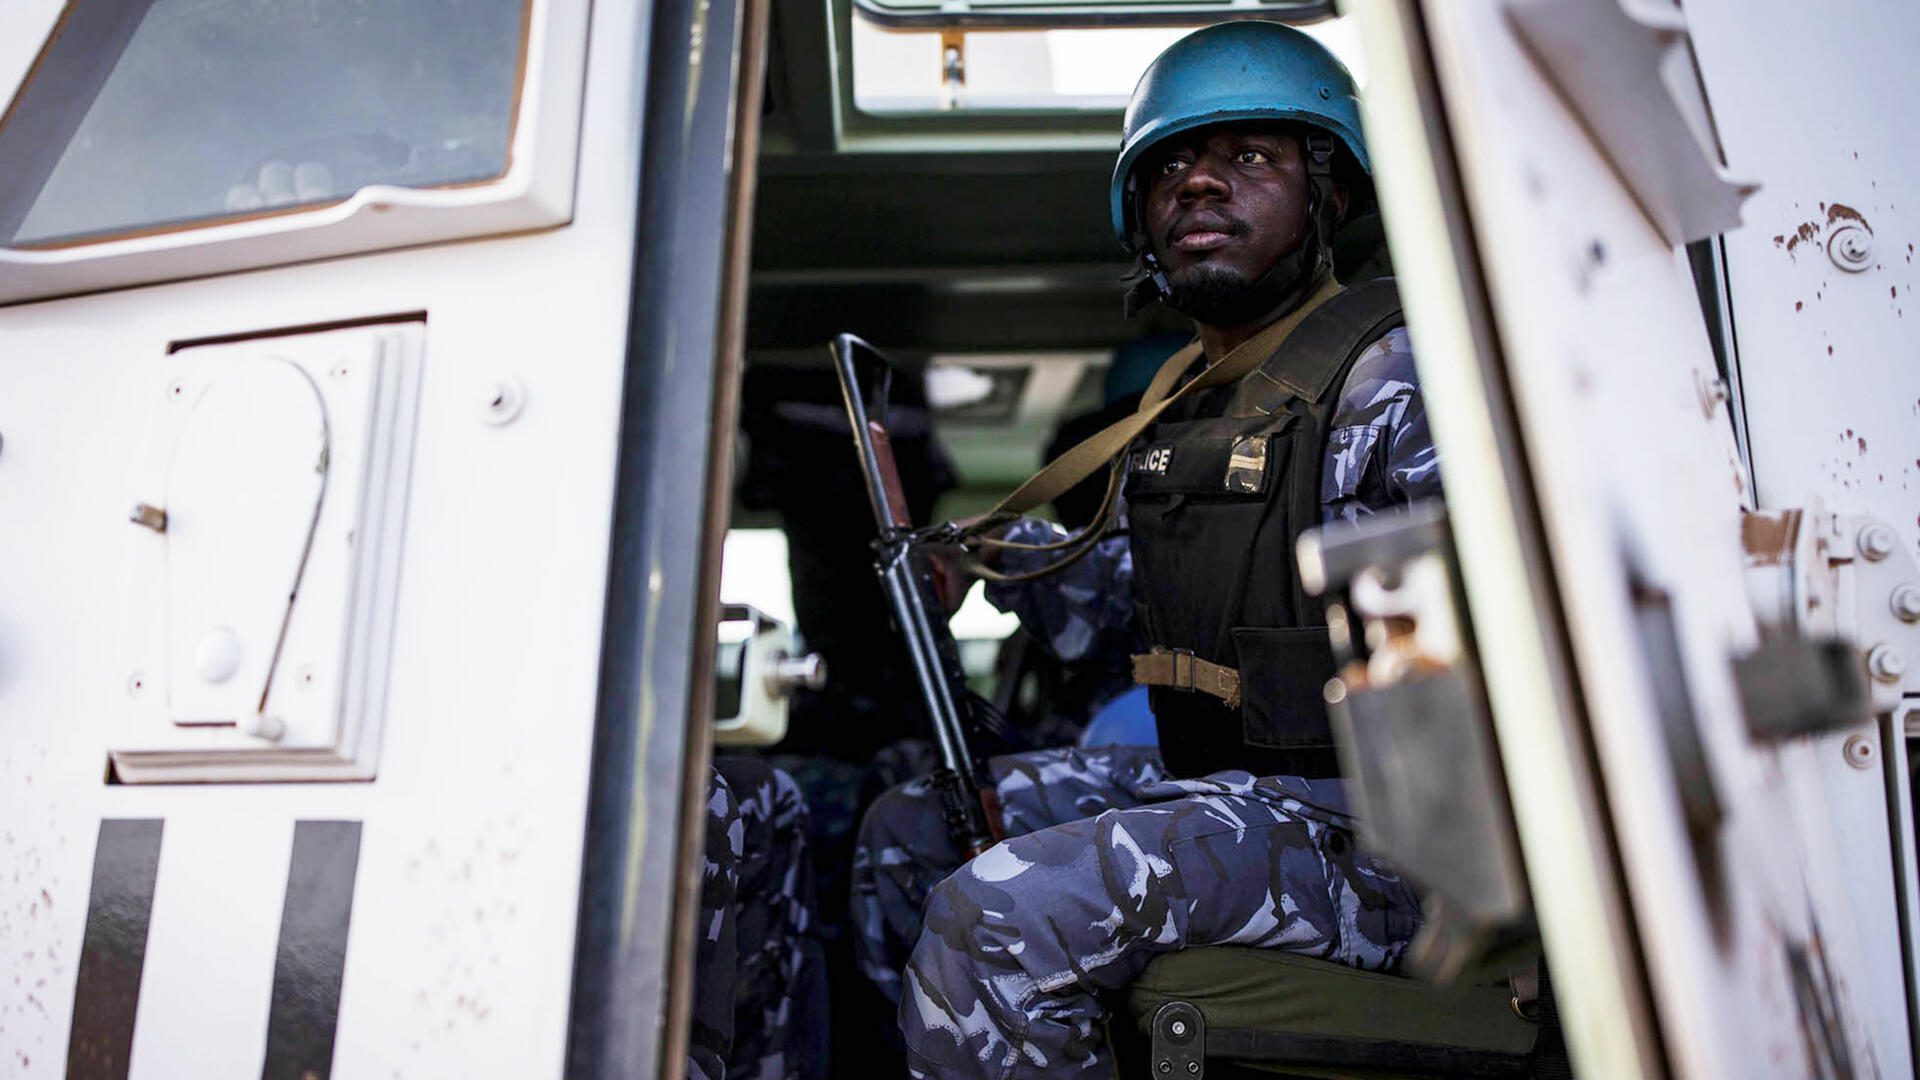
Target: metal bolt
1179 1028
1886 663
1906 603
1851 248
137 684
502 399
1877 541
792 673
340 370
1193 1067
1859 751
1166 1066
151 517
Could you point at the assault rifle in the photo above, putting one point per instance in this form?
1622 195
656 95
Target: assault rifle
959 718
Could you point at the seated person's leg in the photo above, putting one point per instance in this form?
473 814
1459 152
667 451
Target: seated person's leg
773 909
1017 943
715 942
904 850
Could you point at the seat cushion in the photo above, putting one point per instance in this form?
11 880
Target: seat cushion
1265 990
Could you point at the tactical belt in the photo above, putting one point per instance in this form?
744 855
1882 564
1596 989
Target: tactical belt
1179 669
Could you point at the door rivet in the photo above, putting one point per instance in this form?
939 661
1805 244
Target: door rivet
1851 248
137 684
1859 751
502 399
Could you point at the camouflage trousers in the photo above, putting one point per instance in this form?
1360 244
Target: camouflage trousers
1108 864
754 961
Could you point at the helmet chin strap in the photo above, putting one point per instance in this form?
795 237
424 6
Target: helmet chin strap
1286 283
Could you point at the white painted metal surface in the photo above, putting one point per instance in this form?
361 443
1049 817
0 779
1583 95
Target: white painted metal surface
462 942
1559 814
1747 941
1819 281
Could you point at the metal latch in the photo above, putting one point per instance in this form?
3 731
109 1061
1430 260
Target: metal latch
1409 710
1838 600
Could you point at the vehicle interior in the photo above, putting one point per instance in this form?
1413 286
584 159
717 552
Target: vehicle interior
933 178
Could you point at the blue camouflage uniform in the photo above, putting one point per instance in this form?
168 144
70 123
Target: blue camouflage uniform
756 968
1110 862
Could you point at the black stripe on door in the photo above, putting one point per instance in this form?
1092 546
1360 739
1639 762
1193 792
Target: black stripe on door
312 954
113 950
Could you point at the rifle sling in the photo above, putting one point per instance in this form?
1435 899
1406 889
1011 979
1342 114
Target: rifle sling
1100 449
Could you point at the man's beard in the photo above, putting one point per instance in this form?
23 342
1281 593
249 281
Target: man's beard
1219 296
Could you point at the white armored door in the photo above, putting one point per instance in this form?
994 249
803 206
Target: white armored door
1717 897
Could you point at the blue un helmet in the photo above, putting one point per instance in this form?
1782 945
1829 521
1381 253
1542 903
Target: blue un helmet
1243 70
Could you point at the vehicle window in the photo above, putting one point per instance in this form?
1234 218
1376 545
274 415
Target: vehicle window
906 71
753 571
155 114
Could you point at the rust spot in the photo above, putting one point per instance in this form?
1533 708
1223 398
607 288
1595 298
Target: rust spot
1797 305
46 897
1829 350
1779 240
1849 433
1863 444
1769 538
1843 212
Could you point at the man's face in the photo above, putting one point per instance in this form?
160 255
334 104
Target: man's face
1223 204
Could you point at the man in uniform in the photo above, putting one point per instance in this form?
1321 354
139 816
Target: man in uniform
1241 151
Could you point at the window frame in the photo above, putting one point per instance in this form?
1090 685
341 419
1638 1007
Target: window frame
535 190
1057 15
996 129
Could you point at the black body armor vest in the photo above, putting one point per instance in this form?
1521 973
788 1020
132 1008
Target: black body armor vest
1218 490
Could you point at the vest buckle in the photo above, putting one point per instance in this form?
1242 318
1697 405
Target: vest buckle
1184 669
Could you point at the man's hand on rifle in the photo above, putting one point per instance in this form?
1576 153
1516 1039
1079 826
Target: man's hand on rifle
951 576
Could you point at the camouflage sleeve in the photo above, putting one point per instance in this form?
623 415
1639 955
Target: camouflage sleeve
1379 452
1074 612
